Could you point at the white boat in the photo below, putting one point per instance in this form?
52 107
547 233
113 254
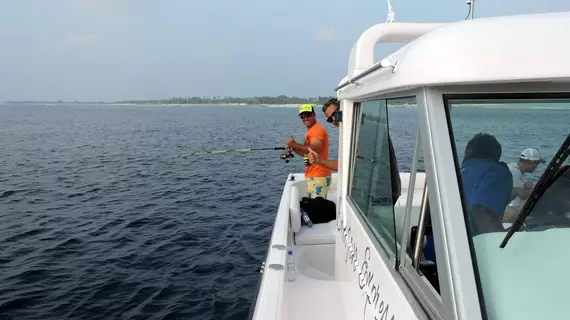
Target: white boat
372 261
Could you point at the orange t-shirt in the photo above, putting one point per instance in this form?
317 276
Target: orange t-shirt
318 132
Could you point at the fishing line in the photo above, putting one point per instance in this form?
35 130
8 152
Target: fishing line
285 156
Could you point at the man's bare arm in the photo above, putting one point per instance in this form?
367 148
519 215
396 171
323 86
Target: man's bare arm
302 149
298 152
522 193
314 158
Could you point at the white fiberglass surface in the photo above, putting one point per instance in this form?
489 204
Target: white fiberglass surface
504 146
314 294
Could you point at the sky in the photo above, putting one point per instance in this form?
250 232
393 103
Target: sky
110 50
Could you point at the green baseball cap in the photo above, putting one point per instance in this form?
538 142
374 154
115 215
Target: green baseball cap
306 108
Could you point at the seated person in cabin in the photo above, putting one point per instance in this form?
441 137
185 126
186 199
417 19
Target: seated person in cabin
317 177
487 185
527 163
328 109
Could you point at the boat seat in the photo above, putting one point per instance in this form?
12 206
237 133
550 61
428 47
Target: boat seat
322 233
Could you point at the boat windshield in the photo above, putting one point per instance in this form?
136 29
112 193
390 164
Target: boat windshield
504 148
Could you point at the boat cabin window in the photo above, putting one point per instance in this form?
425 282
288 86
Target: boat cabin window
371 190
417 262
403 128
390 128
503 148
377 189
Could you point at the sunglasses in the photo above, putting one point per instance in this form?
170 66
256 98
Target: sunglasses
305 115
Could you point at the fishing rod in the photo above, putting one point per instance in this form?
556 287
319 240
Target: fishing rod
284 156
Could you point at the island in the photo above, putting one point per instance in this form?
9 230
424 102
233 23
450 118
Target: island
261 100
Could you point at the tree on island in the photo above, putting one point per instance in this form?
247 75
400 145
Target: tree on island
261 100
282 99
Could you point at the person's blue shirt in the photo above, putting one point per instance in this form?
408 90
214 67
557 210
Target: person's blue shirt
486 183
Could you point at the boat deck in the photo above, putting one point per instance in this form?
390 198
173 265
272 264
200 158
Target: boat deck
319 291
315 294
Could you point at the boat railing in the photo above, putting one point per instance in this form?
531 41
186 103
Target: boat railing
267 305
361 61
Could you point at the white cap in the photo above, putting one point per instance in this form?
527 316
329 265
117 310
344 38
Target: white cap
532 155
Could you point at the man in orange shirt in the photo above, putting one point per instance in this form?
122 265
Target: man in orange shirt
317 177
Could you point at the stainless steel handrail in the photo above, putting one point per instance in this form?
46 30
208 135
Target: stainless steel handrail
421 228
379 65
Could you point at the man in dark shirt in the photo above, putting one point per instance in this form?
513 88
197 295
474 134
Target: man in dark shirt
487 184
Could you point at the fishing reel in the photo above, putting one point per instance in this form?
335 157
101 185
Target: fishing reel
286 156
306 161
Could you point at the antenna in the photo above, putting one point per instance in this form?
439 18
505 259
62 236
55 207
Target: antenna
390 17
471 4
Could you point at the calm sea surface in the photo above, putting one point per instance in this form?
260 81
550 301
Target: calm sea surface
98 221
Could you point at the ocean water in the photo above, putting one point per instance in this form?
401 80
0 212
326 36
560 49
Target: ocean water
98 220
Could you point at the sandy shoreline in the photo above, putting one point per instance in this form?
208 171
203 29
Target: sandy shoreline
213 105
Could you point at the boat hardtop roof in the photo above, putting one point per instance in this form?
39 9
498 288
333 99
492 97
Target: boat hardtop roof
466 52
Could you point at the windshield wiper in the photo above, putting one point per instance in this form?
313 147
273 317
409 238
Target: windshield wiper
539 190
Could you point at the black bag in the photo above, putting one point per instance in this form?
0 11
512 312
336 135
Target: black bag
319 210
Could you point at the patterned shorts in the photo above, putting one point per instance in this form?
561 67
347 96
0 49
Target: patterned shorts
318 187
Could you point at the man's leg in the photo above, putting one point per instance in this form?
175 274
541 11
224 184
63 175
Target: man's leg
318 187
